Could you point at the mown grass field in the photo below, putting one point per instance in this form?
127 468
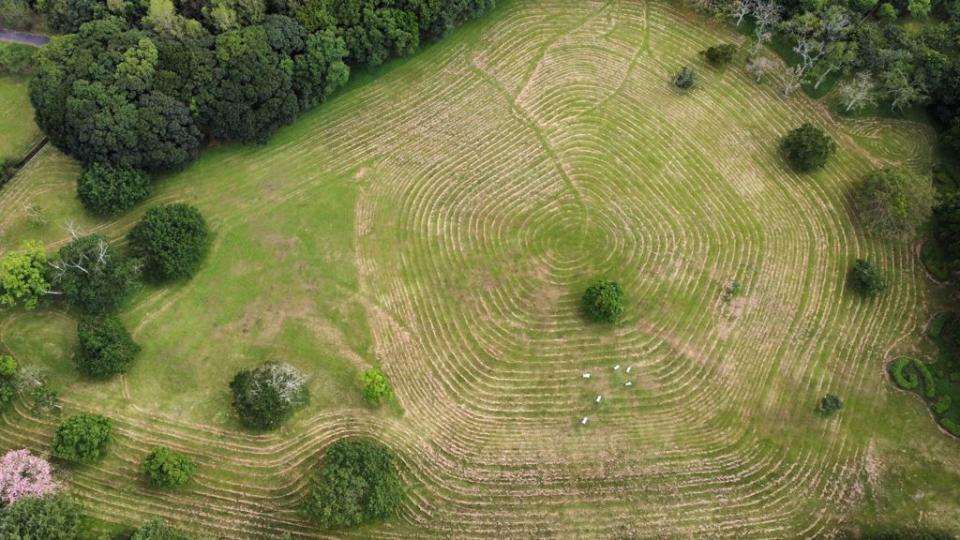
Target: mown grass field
18 133
441 219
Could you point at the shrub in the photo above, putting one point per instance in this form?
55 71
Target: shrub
376 386
83 438
16 59
8 366
685 78
93 278
15 13
929 390
110 191
23 278
266 396
887 13
356 483
720 55
893 203
867 279
105 347
603 301
157 529
829 405
807 148
171 240
24 475
8 387
166 468
47 518
903 375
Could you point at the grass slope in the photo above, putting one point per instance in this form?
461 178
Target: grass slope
441 220
18 133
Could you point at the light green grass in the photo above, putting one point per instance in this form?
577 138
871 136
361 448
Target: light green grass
440 219
18 133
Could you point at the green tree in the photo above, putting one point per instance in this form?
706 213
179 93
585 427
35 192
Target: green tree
171 241
720 55
357 483
376 386
105 347
893 203
867 279
8 366
23 278
15 13
47 518
110 191
268 395
807 148
83 438
92 277
829 405
946 225
166 468
68 15
16 59
685 78
919 8
8 382
603 301
320 69
157 529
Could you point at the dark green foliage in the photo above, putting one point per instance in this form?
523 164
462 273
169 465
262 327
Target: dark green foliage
105 347
166 468
376 386
171 241
720 55
893 203
603 301
685 78
829 405
807 148
946 226
93 278
68 15
903 373
887 13
320 69
867 279
907 534
157 529
47 518
15 14
83 438
110 191
8 388
357 483
8 366
16 59
268 395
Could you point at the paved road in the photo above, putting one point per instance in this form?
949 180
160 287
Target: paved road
12 36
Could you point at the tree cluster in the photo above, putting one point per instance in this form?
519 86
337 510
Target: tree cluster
266 396
357 483
46 518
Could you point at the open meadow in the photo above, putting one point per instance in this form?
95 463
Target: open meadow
440 219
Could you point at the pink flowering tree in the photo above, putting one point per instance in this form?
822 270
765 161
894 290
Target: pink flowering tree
24 475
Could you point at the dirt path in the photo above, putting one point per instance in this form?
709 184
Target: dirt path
34 40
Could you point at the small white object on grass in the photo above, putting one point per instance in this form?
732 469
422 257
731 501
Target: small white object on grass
616 367
586 375
598 400
628 383
584 420
628 369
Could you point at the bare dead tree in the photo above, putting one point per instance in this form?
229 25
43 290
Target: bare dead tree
766 13
759 66
858 93
741 8
792 79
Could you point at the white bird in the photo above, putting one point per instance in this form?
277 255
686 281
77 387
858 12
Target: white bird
616 367
599 399
586 375
583 421
628 369
628 383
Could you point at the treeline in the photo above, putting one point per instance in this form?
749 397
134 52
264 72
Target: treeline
144 84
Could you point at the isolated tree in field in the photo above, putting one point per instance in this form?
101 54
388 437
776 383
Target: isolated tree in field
171 241
946 225
105 347
893 203
867 279
759 66
829 405
264 397
603 301
92 277
685 78
720 55
83 438
807 148
166 468
357 483
376 386
47 518
110 191
23 278
158 529
24 475
858 93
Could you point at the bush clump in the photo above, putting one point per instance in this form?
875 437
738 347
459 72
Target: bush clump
685 78
92 277
83 438
357 483
171 240
829 405
807 148
893 203
867 279
105 347
376 386
264 397
720 55
603 301
110 191
166 468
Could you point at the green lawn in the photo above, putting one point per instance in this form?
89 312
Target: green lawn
18 133
440 219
